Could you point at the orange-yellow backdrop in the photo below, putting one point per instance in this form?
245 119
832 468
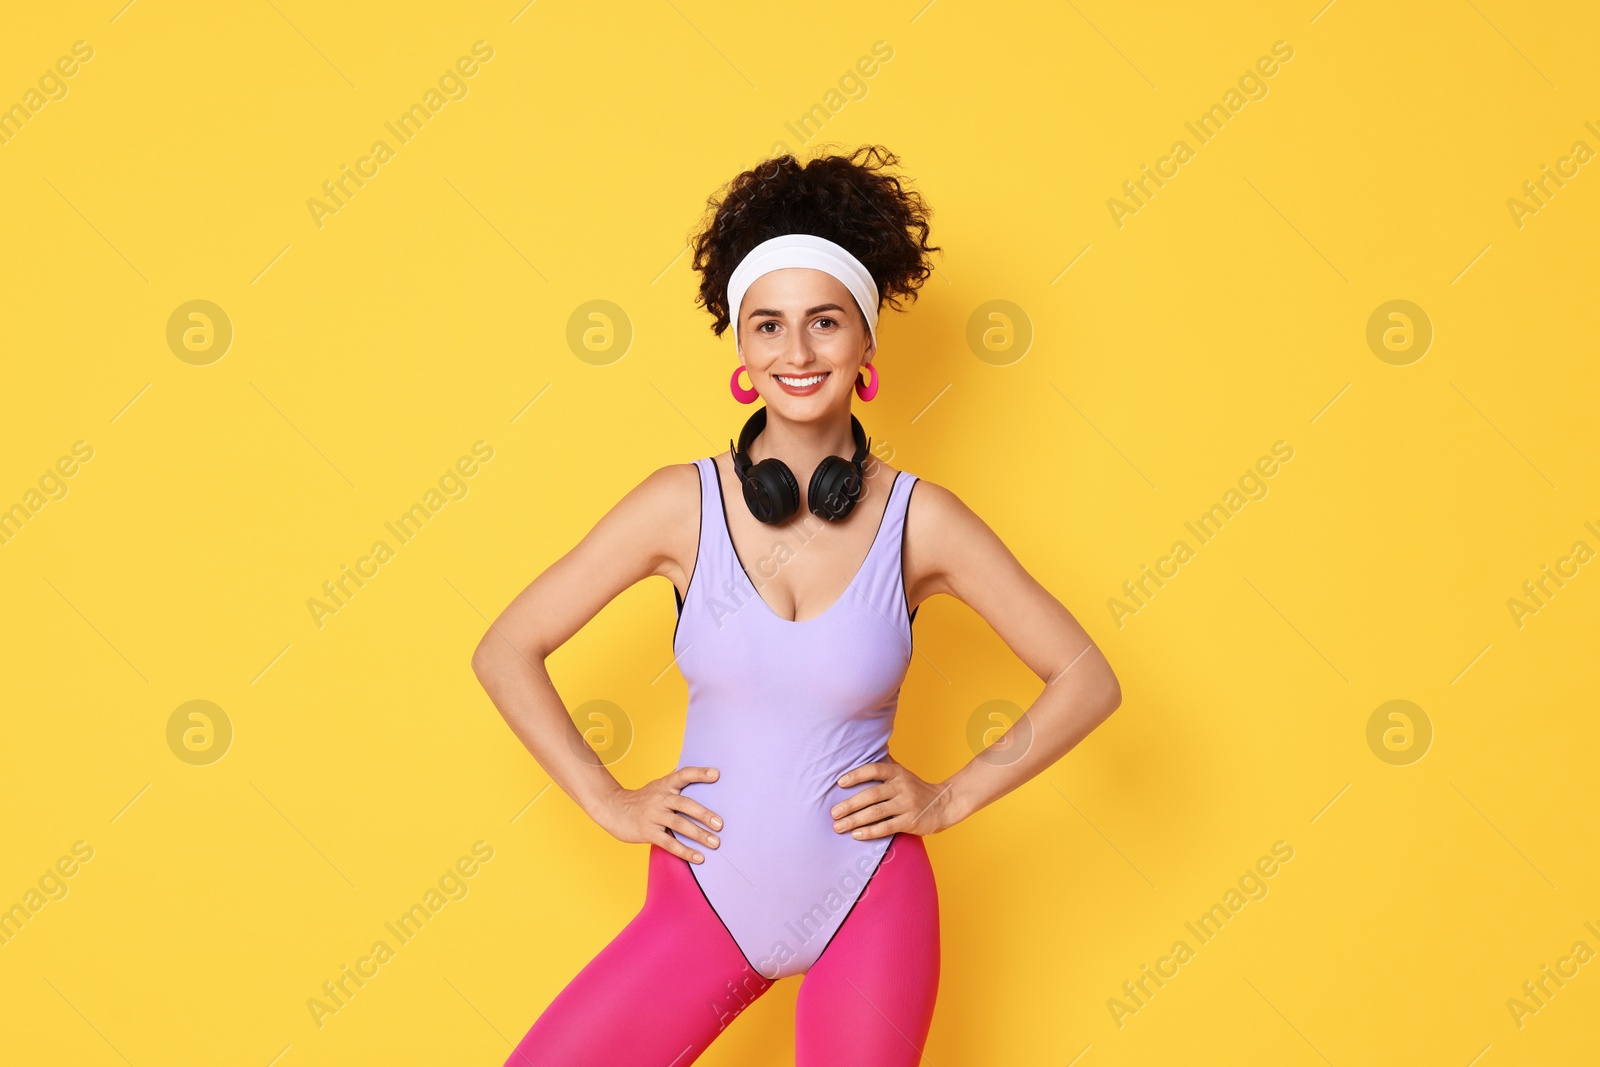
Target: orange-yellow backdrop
1101 358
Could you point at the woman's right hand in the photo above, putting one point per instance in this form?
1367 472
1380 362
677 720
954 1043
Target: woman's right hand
645 815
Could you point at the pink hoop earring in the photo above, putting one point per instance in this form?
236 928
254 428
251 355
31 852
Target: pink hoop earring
868 389
742 395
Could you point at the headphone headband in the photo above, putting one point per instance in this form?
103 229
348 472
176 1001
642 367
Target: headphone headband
758 422
770 489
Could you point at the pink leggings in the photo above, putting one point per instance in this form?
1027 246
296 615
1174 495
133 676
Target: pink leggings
674 978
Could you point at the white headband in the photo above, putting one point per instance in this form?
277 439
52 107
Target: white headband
804 250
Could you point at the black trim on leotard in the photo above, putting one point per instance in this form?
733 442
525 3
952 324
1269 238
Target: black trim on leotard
713 907
859 895
905 520
693 570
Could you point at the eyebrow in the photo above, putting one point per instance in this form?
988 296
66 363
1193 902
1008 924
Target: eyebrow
775 313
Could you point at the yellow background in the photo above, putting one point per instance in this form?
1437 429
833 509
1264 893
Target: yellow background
369 353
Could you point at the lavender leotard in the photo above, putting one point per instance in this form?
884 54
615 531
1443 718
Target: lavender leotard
782 709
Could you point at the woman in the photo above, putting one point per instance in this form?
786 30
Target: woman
788 841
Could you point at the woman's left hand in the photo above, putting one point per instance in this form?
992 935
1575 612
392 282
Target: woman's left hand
900 802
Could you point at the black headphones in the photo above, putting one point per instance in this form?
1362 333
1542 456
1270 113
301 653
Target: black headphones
771 492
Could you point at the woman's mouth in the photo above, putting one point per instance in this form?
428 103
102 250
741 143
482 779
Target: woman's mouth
796 385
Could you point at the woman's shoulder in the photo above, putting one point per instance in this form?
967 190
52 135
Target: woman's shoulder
671 475
669 483
889 475
666 515
668 497
934 511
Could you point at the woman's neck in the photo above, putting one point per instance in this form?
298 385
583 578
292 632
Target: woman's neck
803 445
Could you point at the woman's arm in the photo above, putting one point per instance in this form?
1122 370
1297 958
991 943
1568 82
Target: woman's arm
652 530
951 550
967 560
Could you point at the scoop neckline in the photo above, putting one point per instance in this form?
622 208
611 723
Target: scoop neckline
727 531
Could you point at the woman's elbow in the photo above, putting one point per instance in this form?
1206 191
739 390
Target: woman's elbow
496 649
1113 698
1110 691
492 649
480 659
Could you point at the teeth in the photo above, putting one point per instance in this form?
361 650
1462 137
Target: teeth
800 383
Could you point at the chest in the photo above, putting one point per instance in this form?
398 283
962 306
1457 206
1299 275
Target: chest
732 649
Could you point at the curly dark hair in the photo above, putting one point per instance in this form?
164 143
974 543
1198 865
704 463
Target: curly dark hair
849 200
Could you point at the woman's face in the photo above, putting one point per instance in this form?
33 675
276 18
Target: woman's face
798 325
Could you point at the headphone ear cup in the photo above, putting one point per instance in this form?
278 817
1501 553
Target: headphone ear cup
835 488
770 491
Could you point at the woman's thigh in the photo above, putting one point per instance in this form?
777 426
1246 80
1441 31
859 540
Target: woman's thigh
868 1001
658 994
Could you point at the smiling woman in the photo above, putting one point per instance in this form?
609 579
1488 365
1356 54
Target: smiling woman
788 841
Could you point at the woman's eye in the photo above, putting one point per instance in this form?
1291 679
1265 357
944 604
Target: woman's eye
825 320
